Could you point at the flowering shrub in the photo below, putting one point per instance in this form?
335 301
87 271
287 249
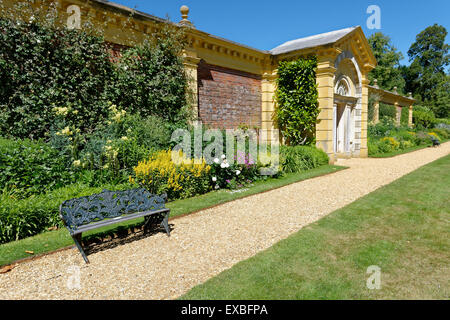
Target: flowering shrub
159 174
433 134
241 171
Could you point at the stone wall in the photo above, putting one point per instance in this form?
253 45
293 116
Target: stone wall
228 98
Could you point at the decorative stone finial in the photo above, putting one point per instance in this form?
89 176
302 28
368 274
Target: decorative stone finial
184 15
410 94
395 89
375 83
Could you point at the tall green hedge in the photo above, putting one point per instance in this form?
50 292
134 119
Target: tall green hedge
43 67
297 100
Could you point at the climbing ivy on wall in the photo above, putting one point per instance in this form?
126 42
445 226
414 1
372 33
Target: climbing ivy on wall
43 67
297 100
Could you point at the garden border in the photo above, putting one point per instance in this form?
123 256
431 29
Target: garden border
41 255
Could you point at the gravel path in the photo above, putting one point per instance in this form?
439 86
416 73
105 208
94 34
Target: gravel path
206 243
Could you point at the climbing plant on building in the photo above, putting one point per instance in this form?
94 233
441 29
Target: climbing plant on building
297 100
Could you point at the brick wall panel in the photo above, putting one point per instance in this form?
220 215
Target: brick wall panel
228 98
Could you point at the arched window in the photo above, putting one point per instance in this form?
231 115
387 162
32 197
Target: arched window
342 88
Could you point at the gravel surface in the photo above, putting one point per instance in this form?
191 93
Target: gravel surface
206 243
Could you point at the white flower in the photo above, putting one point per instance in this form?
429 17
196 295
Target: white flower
214 179
216 160
223 156
223 165
77 163
238 172
38 41
124 138
227 165
216 187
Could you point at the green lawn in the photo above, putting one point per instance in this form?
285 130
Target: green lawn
403 228
53 240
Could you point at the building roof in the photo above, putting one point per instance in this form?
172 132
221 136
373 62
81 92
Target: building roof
312 41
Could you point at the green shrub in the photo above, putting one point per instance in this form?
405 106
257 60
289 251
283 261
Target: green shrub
32 167
444 134
43 67
423 117
27 217
387 111
151 78
382 128
301 158
159 174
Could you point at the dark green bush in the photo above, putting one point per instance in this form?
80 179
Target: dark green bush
387 111
442 132
32 167
47 67
42 67
423 117
301 158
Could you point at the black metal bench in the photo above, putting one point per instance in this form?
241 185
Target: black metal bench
110 207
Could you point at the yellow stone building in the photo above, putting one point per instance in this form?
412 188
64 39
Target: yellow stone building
234 84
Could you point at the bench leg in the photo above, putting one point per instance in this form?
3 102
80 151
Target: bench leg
165 223
77 239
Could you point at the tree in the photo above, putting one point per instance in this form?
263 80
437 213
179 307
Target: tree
388 58
426 75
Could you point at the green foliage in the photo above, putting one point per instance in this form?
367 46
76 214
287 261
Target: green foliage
387 71
385 137
296 95
387 111
301 158
426 76
28 167
45 67
423 117
153 78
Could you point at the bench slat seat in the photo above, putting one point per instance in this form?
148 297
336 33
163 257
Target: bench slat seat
110 207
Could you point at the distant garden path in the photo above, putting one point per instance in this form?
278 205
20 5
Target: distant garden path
206 243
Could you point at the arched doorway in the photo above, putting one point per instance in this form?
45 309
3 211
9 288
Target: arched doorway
347 107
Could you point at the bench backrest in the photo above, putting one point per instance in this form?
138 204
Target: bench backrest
108 204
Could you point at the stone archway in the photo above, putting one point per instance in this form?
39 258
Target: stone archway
347 106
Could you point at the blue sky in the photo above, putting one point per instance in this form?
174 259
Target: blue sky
265 24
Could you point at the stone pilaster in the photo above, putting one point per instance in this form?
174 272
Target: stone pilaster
410 116
190 62
376 111
398 113
325 86
363 153
268 88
